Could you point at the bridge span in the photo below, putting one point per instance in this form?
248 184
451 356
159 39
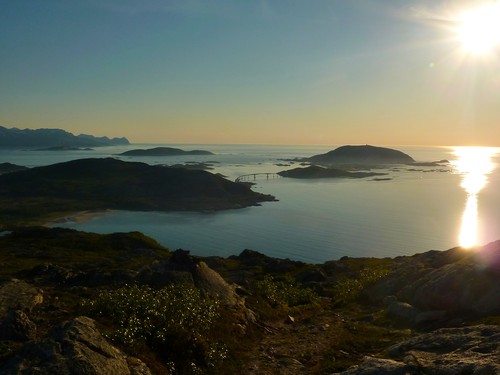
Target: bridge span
254 176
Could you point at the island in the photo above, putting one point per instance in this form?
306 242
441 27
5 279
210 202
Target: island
64 148
14 137
315 171
164 151
95 184
361 155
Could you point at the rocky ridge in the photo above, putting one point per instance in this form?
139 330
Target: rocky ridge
392 324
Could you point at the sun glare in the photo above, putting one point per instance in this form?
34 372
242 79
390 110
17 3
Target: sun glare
474 164
478 29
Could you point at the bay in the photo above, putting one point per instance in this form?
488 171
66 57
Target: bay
418 209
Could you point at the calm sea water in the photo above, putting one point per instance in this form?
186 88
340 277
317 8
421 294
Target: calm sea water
314 220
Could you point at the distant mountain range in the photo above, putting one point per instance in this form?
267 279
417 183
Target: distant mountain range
14 137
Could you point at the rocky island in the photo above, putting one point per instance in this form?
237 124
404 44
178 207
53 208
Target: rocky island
315 171
164 151
84 303
94 184
361 155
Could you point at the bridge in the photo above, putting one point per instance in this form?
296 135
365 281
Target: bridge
254 176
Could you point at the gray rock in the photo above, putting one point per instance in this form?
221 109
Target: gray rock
401 310
18 295
452 281
210 282
430 316
464 350
75 348
17 326
447 351
379 366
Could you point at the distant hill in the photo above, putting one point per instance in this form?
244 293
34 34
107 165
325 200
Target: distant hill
164 151
361 155
9 167
14 137
89 184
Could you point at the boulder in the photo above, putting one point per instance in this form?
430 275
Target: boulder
18 295
463 350
379 366
447 351
17 326
453 281
17 299
75 347
400 310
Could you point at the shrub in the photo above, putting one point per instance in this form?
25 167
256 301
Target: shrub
349 289
175 321
285 291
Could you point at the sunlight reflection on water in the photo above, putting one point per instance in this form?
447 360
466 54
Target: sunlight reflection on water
474 164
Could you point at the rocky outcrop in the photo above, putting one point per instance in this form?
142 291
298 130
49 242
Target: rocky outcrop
75 347
438 284
182 268
447 351
17 327
18 295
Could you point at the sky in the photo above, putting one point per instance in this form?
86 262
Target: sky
382 72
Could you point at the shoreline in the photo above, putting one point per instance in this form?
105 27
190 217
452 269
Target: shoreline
77 217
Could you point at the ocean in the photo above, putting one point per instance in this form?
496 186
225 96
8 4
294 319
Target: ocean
418 208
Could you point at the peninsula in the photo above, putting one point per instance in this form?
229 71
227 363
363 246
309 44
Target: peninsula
164 151
96 184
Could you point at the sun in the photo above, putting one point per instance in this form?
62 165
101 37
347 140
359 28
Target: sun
478 30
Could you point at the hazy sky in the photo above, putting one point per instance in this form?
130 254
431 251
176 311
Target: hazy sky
384 72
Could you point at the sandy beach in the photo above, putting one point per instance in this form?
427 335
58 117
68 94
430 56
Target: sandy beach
78 217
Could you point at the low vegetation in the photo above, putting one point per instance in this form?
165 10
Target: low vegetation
177 322
284 291
287 317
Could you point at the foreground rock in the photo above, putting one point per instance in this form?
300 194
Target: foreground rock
361 155
18 295
74 347
164 151
394 323
440 285
447 351
93 184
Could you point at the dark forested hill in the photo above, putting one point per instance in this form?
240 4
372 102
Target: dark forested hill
88 184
